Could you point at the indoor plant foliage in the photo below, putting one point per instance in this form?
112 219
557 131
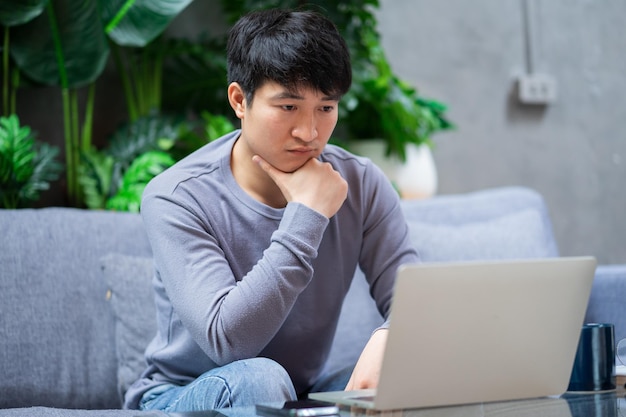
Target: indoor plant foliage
114 178
65 43
380 105
26 166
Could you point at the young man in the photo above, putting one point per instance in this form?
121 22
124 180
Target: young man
257 235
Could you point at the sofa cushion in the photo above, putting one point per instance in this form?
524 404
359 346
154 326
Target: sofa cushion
516 235
56 327
64 412
129 279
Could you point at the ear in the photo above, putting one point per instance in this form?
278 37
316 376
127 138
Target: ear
237 99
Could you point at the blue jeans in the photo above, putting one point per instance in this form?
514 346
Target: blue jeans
241 383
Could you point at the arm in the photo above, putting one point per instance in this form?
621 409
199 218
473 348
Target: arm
386 246
231 300
231 292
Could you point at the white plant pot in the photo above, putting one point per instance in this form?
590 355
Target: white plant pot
414 178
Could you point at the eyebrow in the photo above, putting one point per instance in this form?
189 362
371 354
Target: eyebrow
295 96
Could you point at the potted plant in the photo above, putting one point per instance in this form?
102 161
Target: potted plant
386 119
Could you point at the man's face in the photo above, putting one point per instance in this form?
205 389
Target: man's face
287 128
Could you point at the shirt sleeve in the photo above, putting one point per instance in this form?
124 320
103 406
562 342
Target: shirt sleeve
230 319
386 239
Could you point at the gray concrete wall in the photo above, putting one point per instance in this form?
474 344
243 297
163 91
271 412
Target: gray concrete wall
468 54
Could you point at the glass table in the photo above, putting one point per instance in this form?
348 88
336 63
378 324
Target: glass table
598 404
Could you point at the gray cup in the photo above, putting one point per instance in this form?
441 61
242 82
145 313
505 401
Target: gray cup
594 365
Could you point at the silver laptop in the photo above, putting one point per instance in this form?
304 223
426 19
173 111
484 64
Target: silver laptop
473 332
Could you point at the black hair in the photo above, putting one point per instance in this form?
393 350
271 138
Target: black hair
292 48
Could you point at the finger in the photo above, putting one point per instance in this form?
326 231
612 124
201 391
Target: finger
266 166
261 162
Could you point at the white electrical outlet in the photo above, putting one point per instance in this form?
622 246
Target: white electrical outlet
536 89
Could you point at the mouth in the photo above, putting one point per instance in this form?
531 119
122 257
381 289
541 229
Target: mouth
302 151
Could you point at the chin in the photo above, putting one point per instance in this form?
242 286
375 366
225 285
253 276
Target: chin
291 166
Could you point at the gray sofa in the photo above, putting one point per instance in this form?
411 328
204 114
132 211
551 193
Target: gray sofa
76 307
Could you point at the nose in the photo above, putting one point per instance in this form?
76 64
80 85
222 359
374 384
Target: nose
305 128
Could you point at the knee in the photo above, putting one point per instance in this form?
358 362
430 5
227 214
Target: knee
262 380
242 383
251 381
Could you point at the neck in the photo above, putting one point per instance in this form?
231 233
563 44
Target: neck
252 179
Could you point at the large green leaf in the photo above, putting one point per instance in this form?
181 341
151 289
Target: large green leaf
145 167
137 22
26 166
64 46
17 152
17 12
95 173
64 42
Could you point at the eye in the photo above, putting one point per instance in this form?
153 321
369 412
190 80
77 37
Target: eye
288 107
328 109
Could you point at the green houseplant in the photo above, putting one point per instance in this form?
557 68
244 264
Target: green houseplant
26 166
163 81
381 105
66 44
114 177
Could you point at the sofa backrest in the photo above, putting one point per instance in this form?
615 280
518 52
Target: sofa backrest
57 343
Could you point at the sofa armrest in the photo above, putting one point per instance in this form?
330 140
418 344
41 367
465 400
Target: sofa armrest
607 303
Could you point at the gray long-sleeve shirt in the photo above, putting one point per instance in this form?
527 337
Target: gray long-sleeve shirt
238 279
